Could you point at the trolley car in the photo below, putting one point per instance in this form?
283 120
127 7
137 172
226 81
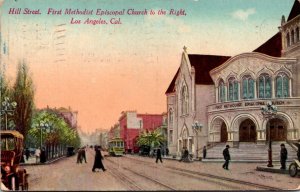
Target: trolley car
116 147
13 176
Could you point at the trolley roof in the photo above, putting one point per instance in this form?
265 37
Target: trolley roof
11 133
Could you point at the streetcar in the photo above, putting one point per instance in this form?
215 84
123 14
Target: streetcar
116 147
13 177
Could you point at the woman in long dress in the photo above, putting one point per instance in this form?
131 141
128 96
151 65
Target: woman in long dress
98 160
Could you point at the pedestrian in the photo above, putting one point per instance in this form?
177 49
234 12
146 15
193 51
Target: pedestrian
167 151
226 157
79 155
43 155
98 159
283 156
27 154
83 154
37 154
158 155
204 152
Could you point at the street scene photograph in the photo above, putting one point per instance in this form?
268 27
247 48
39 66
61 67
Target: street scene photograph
152 95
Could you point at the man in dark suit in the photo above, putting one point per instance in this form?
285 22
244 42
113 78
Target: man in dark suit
158 155
226 157
283 156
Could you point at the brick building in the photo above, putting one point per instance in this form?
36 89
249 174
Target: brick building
132 124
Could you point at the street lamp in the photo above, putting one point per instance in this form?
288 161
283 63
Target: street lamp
197 126
8 109
269 111
47 127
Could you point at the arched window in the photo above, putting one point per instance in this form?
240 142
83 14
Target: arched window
248 87
171 117
287 39
184 100
221 91
297 34
264 86
282 85
292 37
233 89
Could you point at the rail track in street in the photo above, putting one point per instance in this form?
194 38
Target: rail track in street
208 177
156 182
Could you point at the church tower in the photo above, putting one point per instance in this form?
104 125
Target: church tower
290 35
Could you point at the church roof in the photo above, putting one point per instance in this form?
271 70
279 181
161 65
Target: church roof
202 64
271 47
295 10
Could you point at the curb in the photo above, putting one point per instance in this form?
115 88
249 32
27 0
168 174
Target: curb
272 170
46 163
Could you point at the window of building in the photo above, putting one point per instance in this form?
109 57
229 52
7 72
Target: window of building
233 89
282 85
248 87
171 117
287 39
221 91
171 136
184 100
264 86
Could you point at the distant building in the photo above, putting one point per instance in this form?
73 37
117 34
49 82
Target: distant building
69 116
104 140
132 124
114 131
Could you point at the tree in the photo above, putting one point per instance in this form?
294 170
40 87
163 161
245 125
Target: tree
152 139
23 94
5 91
55 131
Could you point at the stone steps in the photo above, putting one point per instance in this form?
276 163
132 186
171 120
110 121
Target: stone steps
250 151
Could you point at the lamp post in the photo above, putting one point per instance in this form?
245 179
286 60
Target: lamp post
197 126
8 109
44 125
269 111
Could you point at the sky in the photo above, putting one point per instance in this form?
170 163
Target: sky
102 70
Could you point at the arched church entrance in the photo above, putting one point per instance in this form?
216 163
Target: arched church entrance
218 131
278 129
224 134
247 131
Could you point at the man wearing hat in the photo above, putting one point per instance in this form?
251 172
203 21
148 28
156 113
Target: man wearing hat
226 157
283 156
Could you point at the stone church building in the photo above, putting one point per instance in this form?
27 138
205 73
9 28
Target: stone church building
218 99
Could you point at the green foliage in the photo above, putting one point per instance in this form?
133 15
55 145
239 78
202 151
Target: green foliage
53 129
152 139
23 94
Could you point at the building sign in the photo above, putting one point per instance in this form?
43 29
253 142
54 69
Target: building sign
247 104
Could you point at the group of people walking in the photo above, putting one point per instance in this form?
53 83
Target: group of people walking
81 156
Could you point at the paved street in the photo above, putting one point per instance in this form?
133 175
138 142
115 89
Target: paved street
142 173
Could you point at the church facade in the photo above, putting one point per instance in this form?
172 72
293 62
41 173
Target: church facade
215 98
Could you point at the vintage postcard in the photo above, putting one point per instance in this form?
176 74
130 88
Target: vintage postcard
119 95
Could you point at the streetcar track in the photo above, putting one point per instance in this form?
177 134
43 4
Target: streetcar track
146 177
121 177
236 181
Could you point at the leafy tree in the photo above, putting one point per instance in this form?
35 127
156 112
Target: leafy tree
152 138
23 94
5 91
55 130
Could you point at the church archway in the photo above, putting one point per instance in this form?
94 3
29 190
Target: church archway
278 129
247 131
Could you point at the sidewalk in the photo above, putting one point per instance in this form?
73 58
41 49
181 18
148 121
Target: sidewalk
275 169
32 161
